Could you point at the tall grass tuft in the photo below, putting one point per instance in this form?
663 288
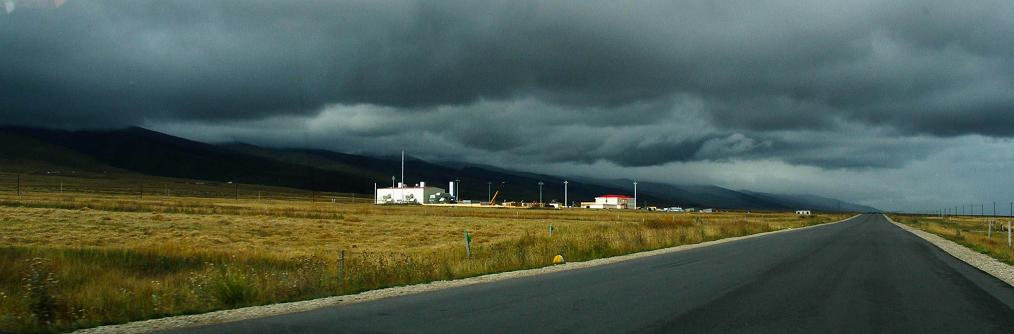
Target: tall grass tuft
39 285
231 287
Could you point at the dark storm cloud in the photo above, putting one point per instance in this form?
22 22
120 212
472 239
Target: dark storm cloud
603 73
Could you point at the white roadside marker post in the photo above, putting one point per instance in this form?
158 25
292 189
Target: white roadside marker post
989 231
468 244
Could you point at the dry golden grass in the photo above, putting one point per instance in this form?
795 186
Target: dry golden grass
77 260
969 231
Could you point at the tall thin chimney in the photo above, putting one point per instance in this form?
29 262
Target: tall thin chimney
402 166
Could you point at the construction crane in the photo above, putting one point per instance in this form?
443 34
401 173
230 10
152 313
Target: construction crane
499 189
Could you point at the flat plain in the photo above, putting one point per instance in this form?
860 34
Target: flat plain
82 260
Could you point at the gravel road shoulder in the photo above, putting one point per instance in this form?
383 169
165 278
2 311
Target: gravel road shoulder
989 265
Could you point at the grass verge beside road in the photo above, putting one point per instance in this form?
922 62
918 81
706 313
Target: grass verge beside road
79 261
968 231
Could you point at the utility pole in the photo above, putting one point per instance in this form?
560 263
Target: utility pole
489 188
565 203
19 185
540 193
992 220
635 195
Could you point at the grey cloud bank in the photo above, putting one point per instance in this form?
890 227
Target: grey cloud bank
685 91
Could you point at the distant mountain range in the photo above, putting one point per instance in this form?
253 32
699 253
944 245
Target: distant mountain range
148 152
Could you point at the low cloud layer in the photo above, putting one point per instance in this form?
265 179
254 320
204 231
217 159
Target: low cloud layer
836 88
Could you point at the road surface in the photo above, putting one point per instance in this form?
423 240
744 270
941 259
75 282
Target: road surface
864 275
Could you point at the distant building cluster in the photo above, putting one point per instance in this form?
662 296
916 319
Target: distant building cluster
420 193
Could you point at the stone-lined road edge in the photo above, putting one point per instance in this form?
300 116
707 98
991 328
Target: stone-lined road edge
252 312
987 264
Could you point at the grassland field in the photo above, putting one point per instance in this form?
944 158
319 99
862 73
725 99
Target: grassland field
75 260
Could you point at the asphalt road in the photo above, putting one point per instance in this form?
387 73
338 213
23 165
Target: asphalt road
860 276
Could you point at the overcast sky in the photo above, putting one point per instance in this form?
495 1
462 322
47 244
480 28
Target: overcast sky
902 105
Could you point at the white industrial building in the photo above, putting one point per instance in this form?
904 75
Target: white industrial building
610 202
400 193
418 194
803 212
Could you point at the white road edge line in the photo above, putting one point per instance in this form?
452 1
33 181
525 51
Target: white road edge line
987 264
253 312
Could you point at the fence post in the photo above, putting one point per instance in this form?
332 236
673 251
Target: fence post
989 231
550 230
341 270
468 244
1008 234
